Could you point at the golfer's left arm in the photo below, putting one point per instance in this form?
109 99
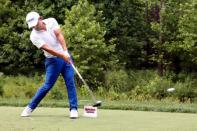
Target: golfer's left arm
60 38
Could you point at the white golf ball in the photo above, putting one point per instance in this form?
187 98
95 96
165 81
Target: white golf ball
170 89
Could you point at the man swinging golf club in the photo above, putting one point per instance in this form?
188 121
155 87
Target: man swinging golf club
46 35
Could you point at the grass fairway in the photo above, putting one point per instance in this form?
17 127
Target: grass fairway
57 119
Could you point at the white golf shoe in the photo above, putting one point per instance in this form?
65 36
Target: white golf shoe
26 112
73 114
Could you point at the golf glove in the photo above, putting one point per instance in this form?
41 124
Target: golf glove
66 53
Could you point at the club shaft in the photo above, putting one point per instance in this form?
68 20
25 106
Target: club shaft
84 82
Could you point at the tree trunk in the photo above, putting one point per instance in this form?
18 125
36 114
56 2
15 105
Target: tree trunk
160 67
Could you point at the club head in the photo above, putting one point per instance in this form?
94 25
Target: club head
97 104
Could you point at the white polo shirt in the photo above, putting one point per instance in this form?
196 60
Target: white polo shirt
39 38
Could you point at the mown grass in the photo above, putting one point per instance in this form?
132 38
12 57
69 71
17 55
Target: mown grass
57 119
152 105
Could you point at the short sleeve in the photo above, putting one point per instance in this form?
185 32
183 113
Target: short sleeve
55 24
38 42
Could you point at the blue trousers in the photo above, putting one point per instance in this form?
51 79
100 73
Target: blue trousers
55 67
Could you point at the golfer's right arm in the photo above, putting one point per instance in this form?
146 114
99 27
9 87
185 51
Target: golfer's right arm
55 53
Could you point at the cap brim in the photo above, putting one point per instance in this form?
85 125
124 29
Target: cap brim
32 23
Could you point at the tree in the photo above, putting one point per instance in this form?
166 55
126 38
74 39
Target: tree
18 54
126 26
169 36
188 35
157 22
85 38
13 50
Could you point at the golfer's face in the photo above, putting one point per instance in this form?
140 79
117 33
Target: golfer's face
39 25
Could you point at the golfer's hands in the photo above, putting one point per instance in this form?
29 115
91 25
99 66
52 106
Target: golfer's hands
66 57
66 53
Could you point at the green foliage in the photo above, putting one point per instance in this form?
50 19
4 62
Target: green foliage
135 85
146 85
183 37
19 87
85 38
104 37
188 33
2 82
157 87
18 54
56 94
187 90
187 26
174 33
58 91
127 32
25 87
149 85
113 95
139 93
126 25
15 52
117 81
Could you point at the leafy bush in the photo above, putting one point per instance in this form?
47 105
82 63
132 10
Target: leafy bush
58 91
83 92
118 81
186 90
25 87
148 85
119 85
19 87
56 94
139 85
157 87
86 35
139 93
141 77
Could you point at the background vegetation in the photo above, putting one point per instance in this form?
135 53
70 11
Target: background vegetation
125 49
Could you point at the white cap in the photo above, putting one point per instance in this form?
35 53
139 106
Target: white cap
32 19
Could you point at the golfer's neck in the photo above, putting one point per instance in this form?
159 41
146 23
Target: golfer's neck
43 27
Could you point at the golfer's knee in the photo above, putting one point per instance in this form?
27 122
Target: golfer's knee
46 87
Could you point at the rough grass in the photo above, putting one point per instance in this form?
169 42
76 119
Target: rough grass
153 105
56 119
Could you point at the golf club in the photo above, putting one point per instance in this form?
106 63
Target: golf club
96 103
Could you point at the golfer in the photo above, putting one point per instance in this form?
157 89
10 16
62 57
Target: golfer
47 36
